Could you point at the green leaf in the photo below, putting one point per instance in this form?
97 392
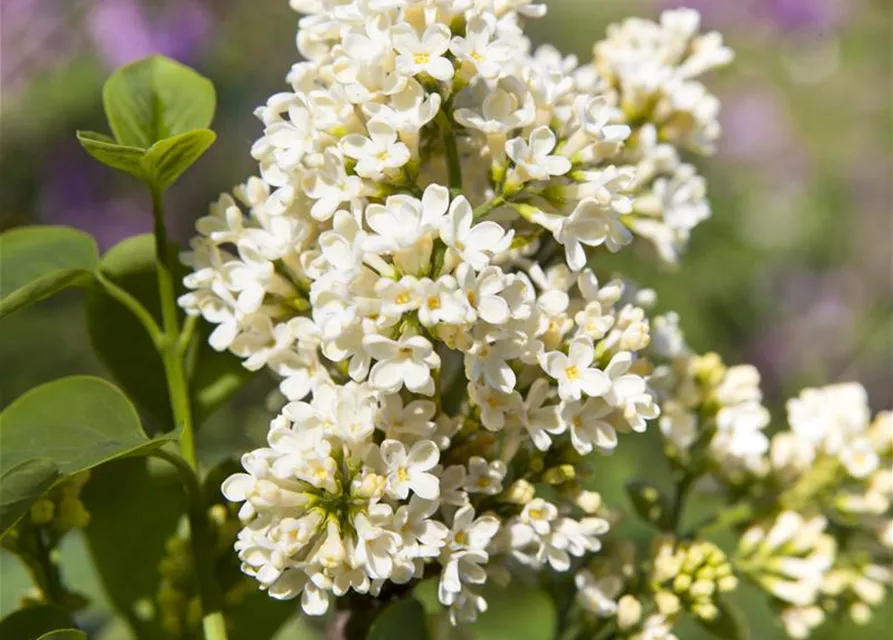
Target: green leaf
36 262
156 98
21 485
652 505
517 613
61 428
729 624
401 619
33 622
123 346
112 154
64 634
135 505
167 159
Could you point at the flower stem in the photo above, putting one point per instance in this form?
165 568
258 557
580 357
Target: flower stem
202 545
488 206
133 305
172 349
50 581
452 150
171 353
682 491
738 514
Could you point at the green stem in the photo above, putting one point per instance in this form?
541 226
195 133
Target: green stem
738 514
488 206
134 306
172 350
682 490
50 580
201 541
171 353
452 150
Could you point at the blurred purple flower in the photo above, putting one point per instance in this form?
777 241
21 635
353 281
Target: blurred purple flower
122 32
794 15
35 36
72 194
818 328
812 15
755 124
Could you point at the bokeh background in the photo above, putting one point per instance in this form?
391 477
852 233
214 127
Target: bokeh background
794 271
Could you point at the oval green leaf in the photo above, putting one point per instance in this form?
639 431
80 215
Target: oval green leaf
21 485
156 98
517 613
64 634
401 619
61 428
124 348
135 506
38 261
33 622
112 154
167 159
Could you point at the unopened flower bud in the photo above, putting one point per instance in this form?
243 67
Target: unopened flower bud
629 612
589 501
520 492
42 511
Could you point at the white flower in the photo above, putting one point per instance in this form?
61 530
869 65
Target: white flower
592 225
482 293
474 245
574 371
598 595
860 458
540 419
539 516
533 159
828 417
409 470
407 362
587 427
484 477
442 302
414 420
488 56
378 154
331 187
489 361
402 221
422 535
494 405
423 54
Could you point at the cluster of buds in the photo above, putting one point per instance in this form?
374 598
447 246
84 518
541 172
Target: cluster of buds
61 508
179 605
688 576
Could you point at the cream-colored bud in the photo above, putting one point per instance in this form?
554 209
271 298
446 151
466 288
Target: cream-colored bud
42 511
667 603
520 492
629 612
589 501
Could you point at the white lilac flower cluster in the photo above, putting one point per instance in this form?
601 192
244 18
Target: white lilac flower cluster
835 462
707 409
412 262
